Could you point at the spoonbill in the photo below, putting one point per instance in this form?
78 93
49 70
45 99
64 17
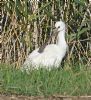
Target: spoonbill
50 55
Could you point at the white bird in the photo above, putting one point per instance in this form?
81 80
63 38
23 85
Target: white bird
52 54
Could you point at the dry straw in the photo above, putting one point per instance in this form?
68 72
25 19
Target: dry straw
26 25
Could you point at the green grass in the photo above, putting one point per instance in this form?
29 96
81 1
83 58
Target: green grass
66 81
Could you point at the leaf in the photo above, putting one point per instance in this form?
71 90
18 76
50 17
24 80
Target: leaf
82 31
81 2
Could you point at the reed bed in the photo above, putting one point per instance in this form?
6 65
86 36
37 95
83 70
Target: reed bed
26 24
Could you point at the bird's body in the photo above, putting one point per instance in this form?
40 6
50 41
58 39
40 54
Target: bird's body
52 54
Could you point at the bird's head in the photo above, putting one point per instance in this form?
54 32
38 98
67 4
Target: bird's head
59 26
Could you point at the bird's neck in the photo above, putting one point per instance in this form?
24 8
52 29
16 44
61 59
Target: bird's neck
61 38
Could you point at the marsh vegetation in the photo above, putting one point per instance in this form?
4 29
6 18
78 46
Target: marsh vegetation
26 25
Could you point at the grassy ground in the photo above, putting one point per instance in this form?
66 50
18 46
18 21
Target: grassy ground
66 81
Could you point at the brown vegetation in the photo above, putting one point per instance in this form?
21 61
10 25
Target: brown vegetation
25 25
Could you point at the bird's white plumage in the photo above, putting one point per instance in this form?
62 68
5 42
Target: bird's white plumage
52 54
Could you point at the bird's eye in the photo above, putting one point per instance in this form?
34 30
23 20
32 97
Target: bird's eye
58 26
